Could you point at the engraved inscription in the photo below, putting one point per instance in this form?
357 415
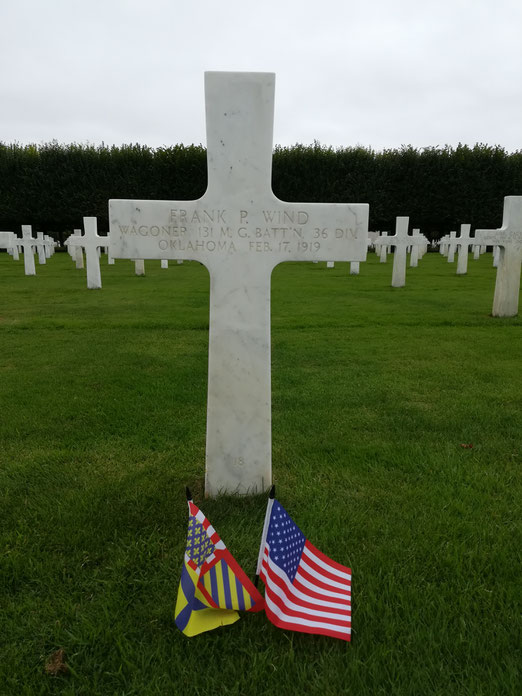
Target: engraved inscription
196 229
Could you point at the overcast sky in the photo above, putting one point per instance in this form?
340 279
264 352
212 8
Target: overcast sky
377 73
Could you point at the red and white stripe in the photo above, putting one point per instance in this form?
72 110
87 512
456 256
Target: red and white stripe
209 529
318 600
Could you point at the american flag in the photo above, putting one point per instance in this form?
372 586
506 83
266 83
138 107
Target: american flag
304 589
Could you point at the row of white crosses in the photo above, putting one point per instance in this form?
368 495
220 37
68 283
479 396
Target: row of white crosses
42 244
91 243
449 244
507 254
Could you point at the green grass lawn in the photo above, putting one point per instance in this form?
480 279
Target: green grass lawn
375 391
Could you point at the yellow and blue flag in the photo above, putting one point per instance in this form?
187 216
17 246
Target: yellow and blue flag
213 586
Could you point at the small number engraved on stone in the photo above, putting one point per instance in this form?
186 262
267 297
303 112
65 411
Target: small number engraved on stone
320 233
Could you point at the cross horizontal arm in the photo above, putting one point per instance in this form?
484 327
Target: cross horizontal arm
269 230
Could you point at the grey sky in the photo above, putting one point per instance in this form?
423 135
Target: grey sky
378 73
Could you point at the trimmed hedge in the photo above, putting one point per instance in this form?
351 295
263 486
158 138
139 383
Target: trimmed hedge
52 186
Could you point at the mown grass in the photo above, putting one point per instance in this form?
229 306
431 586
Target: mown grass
375 392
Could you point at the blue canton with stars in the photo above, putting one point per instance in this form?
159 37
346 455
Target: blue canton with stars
199 546
286 541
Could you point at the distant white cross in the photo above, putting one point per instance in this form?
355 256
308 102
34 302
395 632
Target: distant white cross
452 246
509 239
91 241
381 247
401 240
40 248
73 243
27 242
417 250
464 241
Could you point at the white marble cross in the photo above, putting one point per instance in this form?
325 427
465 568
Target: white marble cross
401 240
464 241
49 246
417 250
27 242
452 246
443 245
40 248
240 231
73 243
509 239
381 247
91 241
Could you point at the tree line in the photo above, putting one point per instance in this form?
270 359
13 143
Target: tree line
53 186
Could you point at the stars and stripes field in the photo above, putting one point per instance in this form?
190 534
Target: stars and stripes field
397 443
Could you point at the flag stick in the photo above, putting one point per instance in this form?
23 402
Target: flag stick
271 497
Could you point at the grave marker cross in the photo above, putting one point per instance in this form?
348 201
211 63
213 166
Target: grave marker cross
91 241
509 238
240 231
464 241
73 243
401 240
452 246
27 242
40 248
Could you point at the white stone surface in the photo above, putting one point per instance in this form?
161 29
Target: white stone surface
40 248
330 264
509 239
91 241
164 263
464 241
496 256
415 251
49 246
381 247
8 242
476 252
75 244
110 260
240 231
452 246
139 267
16 249
27 243
401 240
354 267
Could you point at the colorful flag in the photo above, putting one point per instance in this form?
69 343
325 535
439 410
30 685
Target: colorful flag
212 584
304 589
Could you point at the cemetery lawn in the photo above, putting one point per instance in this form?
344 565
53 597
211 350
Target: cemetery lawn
397 445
